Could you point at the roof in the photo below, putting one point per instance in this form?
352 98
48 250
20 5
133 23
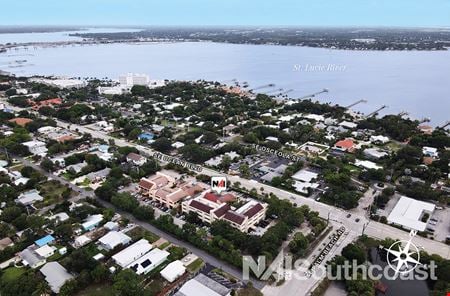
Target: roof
346 144
146 183
20 121
5 242
92 220
304 175
407 212
55 275
149 261
44 251
219 212
254 210
202 285
132 253
114 238
134 156
200 206
44 240
234 217
173 270
29 197
30 257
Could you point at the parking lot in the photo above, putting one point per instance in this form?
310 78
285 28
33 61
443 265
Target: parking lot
440 221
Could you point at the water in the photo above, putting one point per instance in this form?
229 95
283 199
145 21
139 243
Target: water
398 286
54 36
416 81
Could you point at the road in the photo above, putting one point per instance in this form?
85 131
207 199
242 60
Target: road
336 216
82 193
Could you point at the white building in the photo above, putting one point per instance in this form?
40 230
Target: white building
113 239
36 147
132 253
430 151
204 286
149 261
173 271
379 139
55 275
92 221
29 197
130 80
45 251
375 153
81 241
408 213
304 180
366 164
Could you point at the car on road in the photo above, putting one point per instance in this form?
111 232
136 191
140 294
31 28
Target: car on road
357 220
349 215
432 222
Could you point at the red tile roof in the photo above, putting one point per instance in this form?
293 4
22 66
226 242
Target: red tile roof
254 210
234 217
144 183
199 206
346 144
212 197
222 210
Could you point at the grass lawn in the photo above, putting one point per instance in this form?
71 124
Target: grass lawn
195 266
164 245
51 191
104 289
12 273
139 232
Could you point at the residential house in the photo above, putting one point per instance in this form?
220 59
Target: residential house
136 159
55 275
36 147
113 239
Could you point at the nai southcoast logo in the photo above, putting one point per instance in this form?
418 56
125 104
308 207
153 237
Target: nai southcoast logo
218 184
402 257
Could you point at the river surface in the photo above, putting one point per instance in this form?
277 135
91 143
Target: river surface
414 81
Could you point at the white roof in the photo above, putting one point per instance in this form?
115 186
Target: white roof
315 117
45 251
60 216
407 212
55 275
304 175
194 288
348 124
92 220
113 239
173 270
33 143
132 253
149 261
367 164
82 240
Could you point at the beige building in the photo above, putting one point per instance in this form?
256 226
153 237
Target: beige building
211 207
169 191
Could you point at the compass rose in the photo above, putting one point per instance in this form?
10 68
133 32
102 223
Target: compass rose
405 259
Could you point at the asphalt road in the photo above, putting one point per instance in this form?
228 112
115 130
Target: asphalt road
82 193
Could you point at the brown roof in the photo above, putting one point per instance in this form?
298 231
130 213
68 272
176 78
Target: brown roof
144 183
222 210
159 180
253 210
20 121
5 242
199 206
234 217
134 156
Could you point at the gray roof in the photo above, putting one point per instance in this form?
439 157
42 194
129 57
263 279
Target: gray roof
55 275
212 284
30 256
